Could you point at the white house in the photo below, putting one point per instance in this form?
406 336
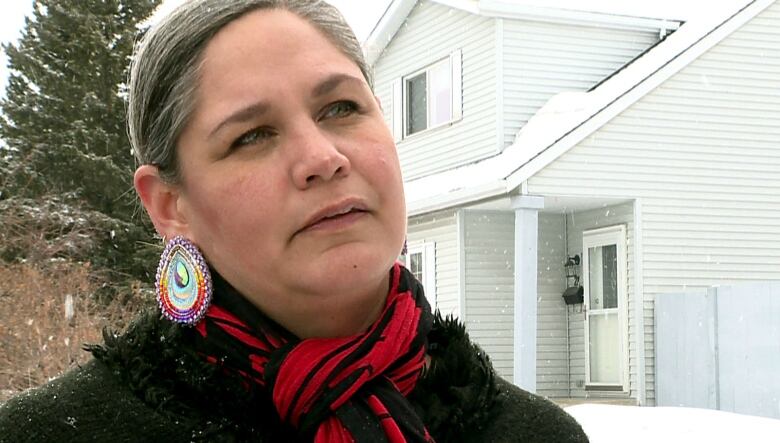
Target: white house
648 148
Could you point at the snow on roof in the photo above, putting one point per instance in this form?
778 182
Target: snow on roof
569 117
618 424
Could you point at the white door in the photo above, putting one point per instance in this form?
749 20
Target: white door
604 278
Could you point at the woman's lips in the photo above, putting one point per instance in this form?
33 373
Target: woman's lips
336 222
336 215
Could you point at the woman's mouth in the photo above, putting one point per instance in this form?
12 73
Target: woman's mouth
337 221
335 217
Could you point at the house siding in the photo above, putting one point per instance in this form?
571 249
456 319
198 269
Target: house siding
489 283
543 59
701 152
444 30
442 229
552 368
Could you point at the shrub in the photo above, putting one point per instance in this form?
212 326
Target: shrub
40 337
37 230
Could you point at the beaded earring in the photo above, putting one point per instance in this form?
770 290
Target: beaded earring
183 283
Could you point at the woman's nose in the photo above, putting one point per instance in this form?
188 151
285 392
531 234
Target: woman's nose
317 158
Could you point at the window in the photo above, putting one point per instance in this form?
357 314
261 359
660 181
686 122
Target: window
428 98
603 272
416 265
421 262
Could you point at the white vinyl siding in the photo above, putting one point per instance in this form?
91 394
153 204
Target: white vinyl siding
543 59
489 280
441 229
551 353
702 152
469 138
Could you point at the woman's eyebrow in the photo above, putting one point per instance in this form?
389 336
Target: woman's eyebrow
254 110
332 82
242 115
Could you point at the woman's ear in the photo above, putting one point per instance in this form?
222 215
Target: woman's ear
160 199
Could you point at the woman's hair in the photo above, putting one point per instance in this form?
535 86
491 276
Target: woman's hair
164 74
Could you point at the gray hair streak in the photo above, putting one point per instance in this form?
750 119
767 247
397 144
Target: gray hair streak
164 72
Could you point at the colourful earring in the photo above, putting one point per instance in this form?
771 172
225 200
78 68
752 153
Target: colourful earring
183 282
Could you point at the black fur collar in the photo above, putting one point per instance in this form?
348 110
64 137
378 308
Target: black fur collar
155 359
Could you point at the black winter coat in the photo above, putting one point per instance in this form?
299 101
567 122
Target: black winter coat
148 386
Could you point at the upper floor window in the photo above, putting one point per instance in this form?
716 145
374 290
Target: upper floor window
428 98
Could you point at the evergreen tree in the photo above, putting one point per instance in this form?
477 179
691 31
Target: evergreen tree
63 117
64 112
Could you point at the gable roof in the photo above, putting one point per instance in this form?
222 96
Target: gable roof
570 117
398 10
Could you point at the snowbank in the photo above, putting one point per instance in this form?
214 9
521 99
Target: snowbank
619 424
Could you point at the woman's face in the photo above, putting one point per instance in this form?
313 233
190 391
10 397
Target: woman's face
290 178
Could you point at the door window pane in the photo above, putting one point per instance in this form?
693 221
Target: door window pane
609 271
602 277
604 348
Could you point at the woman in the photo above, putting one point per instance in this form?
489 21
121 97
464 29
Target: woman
267 163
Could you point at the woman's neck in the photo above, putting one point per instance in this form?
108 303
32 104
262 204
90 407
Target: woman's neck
341 315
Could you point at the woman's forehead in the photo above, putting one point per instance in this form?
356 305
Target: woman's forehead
265 57
267 45
278 35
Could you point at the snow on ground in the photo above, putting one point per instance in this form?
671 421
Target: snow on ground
619 424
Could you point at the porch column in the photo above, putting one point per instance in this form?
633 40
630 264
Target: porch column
526 234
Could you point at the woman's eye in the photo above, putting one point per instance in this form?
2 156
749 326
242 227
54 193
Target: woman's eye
340 109
254 136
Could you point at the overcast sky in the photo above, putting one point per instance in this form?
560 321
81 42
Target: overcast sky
363 14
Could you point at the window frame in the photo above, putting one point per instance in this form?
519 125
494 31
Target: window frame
428 91
428 259
400 102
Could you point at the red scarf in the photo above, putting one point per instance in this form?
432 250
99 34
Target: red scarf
350 389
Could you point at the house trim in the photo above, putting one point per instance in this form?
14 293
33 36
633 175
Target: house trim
639 306
508 9
526 209
456 197
461 223
388 25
